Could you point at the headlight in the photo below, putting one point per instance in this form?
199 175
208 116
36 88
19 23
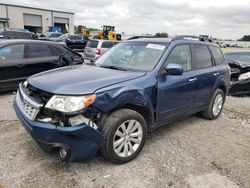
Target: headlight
70 104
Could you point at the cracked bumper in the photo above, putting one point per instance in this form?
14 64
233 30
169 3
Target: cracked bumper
82 141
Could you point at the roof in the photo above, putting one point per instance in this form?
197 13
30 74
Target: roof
179 40
23 41
21 6
154 40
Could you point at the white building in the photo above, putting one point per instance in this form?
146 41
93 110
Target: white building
36 20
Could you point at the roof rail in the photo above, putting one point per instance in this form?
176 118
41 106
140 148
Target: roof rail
192 37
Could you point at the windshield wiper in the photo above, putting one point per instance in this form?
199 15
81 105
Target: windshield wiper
113 67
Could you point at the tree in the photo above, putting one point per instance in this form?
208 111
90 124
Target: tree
161 35
245 38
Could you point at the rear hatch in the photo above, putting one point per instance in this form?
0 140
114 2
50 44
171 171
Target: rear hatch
90 49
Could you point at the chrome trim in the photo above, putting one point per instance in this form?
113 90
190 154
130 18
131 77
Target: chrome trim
29 100
26 105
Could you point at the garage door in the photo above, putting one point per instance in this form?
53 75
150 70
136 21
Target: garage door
61 20
32 20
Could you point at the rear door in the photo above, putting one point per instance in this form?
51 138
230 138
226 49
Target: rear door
205 73
41 57
12 65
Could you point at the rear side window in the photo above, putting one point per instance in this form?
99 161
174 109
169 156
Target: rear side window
75 37
181 55
202 57
218 56
107 44
39 50
92 44
55 51
12 52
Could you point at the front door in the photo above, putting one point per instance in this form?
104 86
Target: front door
176 93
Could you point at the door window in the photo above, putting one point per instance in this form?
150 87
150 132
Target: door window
55 51
12 52
202 57
181 55
38 50
218 56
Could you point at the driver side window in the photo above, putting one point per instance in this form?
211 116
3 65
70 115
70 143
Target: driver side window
180 55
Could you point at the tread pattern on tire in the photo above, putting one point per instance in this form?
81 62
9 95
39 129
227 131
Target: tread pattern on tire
113 120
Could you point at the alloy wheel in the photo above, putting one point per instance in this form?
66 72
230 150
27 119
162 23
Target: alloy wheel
127 138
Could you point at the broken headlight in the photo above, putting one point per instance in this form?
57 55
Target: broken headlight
70 104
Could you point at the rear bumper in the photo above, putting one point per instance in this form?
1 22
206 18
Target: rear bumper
91 58
82 141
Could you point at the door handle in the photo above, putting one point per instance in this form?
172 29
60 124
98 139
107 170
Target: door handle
192 79
216 74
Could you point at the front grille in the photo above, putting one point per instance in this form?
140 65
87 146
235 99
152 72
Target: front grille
37 94
28 107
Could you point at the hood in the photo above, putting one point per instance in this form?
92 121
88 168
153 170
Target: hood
240 64
79 79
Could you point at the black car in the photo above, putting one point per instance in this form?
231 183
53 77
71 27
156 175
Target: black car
20 59
50 36
239 62
74 42
15 34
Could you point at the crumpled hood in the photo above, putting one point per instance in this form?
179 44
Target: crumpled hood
79 79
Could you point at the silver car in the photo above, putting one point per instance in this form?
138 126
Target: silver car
95 48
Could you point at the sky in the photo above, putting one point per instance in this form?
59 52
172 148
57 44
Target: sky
225 19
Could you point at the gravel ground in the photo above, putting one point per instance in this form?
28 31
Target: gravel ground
190 153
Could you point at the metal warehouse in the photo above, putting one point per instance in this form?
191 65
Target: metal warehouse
36 20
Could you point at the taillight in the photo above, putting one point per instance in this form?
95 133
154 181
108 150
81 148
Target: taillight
98 51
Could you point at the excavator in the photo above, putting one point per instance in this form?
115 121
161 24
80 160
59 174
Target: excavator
108 33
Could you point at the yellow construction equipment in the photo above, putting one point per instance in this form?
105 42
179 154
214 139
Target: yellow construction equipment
108 33
82 30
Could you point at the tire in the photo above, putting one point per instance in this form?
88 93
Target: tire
210 113
124 130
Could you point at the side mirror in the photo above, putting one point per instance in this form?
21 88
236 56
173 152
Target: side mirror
173 69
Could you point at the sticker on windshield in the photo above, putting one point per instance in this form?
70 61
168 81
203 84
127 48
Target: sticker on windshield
155 46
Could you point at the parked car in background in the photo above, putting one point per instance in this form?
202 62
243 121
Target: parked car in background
74 42
15 34
50 36
22 58
95 48
239 61
133 88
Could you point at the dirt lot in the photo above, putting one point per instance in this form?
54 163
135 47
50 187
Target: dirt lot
189 153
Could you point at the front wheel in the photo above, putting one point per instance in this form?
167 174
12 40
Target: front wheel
125 133
215 105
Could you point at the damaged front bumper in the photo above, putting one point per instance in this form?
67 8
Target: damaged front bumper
241 87
81 141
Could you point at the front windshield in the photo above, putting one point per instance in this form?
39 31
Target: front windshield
132 56
243 57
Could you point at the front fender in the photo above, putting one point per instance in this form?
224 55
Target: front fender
110 100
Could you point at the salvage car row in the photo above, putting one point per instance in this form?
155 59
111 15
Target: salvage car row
111 104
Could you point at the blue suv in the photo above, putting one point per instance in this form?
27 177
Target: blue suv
132 89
